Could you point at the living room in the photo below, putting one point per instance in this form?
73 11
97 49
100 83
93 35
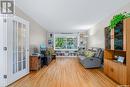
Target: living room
64 43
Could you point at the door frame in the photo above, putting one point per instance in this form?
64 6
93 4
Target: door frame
3 51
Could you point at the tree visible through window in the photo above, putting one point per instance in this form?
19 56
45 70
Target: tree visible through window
66 43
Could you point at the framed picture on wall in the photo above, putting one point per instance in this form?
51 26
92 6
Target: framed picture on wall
49 42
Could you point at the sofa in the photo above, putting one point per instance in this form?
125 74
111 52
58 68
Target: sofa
95 61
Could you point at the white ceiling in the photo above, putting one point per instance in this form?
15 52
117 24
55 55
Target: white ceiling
69 15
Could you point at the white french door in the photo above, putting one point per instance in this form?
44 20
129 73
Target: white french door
18 46
14 49
20 49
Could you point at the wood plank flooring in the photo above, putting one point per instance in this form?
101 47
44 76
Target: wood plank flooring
65 72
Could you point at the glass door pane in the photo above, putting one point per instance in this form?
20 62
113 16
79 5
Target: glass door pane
14 46
20 46
24 46
118 37
107 38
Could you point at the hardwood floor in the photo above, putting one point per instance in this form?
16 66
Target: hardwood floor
65 72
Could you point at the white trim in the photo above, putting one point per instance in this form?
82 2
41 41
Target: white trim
66 49
65 56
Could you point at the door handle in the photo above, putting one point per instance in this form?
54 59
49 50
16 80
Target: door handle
5 48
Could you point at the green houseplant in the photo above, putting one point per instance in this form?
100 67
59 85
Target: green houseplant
50 51
117 19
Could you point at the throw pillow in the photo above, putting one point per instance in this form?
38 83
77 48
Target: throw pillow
86 53
89 54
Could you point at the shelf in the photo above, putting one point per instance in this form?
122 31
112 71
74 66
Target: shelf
119 62
115 50
119 50
109 50
115 61
66 56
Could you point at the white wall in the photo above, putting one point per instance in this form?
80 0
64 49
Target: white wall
37 33
96 34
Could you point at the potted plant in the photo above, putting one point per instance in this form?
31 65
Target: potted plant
117 19
50 51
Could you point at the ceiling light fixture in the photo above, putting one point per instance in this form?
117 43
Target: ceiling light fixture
83 27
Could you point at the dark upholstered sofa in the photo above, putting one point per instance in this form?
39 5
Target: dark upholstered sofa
93 62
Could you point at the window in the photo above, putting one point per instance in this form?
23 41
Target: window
66 42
